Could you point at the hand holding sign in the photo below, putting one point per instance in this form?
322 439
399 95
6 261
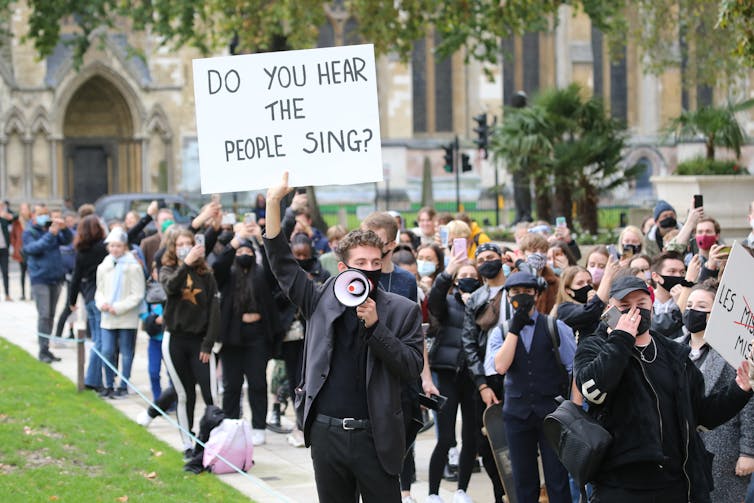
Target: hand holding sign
257 114
731 325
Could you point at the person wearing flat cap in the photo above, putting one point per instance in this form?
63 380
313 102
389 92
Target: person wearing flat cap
524 349
486 308
644 390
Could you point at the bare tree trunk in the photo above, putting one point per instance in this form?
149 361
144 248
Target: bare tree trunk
563 203
317 220
542 197
587 207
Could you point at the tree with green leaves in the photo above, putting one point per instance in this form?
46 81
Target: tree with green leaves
718 126
709 38
572 147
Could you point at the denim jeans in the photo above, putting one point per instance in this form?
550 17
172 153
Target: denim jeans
125 340
750 491
93 376
154 356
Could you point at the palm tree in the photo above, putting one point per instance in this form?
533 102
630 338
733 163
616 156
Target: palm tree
523 142
717 125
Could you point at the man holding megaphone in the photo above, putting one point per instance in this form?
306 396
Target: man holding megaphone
360 343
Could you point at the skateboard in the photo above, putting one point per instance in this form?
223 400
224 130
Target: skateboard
494 429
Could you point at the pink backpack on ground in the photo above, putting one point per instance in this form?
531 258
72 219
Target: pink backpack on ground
231 439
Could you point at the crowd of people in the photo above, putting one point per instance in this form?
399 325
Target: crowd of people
450 314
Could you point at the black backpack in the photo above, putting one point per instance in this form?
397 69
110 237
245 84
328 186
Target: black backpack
578 440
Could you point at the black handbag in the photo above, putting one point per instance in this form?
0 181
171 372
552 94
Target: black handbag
578 440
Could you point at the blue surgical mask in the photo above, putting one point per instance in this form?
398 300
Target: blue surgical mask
43 220
425 268
506 270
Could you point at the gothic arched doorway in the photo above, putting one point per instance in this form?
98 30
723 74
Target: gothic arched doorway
101 155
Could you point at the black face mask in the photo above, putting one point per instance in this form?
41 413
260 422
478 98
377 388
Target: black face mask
646 320
523 302
490 268
695 321
668 282
307 264
581 295
374 279
468 285
633 249
225 237
245 261
668 223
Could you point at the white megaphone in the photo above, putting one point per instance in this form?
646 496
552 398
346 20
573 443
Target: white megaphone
351 287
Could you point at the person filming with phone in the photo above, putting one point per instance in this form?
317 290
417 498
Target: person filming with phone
355 359
646 392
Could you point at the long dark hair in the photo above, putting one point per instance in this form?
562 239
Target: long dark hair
244 300
89 233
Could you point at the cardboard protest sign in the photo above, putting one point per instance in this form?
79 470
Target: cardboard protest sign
730 329
313 113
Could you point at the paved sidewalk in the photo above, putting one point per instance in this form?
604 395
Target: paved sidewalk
281 472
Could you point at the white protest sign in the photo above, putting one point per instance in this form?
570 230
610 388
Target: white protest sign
731 325
313 113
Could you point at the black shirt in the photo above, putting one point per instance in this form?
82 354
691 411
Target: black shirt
664 386
344 393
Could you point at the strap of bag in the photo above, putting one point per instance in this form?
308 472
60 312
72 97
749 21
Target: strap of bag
552 329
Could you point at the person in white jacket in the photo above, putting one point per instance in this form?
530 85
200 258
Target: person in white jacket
119 296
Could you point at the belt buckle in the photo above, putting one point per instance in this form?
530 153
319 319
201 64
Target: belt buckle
344 423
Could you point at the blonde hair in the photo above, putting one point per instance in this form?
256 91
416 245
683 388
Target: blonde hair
459 229
629 228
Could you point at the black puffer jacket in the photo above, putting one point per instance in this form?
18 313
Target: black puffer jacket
447 313
609 373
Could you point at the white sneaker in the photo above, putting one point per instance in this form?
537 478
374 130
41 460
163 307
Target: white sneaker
144 418
434 498
408 499
461 497
296 438
453 456
257 437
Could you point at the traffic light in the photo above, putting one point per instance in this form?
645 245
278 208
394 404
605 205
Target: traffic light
448 157
482 131
465 163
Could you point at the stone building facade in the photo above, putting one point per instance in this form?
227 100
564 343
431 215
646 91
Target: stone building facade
120 123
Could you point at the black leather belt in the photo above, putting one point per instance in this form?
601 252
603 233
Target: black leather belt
347 423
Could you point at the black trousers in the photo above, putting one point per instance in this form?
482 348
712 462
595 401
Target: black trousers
181 355
459 389
346 465
293 356
250 361
4 269
603 494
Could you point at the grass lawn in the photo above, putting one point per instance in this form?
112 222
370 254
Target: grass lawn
60 445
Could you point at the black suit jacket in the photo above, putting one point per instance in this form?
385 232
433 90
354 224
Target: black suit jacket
394 351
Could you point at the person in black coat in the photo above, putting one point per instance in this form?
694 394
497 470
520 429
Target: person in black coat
90 252
249 324
643 389
355 359
448 361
